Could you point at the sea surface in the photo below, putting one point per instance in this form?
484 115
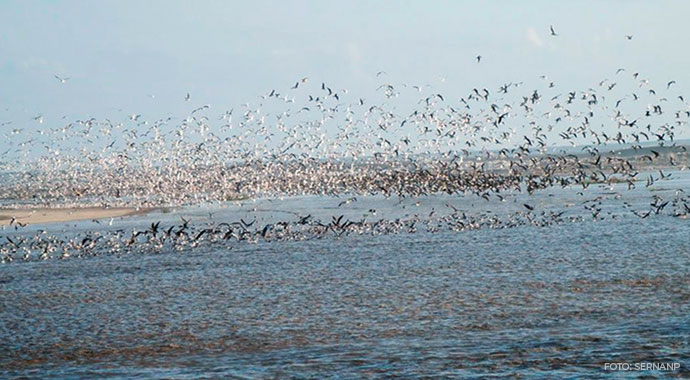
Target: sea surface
555 301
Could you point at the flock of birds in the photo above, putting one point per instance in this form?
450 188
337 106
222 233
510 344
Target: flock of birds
186 235
314 139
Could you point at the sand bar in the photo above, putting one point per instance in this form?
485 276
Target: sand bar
55 215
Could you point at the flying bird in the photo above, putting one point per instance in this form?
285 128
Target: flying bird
62 80
553 32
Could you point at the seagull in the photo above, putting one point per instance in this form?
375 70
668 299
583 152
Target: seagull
553 32
62 80
187 97
479 58
629 36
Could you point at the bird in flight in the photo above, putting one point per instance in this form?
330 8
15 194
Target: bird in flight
629 36
553 32
187 97
62 80
479 58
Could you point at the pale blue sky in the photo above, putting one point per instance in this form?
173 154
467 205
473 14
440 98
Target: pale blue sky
225 53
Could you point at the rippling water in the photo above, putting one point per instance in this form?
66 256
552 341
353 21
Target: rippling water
552 302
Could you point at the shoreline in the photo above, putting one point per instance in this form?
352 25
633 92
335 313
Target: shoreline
45 215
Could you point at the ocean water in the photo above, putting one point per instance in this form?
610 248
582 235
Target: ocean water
554 301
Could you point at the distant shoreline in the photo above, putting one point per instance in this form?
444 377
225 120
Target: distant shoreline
45 215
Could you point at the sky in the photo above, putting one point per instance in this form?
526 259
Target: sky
125 57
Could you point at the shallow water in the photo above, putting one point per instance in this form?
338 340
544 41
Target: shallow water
551 302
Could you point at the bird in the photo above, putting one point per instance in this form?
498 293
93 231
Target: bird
62 80
553 32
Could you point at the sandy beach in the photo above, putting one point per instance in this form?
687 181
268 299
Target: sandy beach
55 215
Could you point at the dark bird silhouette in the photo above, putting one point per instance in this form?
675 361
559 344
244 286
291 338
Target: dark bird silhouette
553 32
